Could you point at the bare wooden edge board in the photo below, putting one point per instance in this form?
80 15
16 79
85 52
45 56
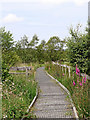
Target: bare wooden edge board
18 73
74 109
32 103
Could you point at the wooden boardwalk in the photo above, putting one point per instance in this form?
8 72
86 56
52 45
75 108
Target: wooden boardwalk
53 101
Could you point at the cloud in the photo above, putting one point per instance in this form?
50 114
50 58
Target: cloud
11 18
78 2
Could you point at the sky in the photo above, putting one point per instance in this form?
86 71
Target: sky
46 18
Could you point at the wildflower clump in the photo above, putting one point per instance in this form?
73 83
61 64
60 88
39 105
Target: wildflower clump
78 81
80 93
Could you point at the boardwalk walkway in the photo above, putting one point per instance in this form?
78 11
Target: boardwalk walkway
52 101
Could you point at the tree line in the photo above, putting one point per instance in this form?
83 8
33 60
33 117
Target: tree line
73 49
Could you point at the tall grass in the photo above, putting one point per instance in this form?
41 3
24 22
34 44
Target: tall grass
77 86
18 93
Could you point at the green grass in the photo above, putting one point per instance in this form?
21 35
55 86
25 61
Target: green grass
18 93
78 93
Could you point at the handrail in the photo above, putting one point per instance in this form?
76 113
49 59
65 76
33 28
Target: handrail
66 66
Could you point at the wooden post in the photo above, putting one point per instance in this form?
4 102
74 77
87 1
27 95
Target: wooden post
69 70
26 73
62 68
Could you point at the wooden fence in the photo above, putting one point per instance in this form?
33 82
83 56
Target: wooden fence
15 69
69 70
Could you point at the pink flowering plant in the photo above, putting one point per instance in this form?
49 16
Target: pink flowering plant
80 93
78 80
76 84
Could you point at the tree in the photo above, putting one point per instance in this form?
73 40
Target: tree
77 48
54 47
34 41
40 52
9 55
24 42
33 47
88 46
22 48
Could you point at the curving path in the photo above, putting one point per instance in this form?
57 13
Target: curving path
53 101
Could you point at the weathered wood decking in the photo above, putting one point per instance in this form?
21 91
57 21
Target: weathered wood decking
53 101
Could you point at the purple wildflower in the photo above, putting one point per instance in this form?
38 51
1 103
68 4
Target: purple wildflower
77 71
80 83
73 83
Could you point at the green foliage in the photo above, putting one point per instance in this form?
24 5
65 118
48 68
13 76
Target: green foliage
24 41
41 52
79 92
54 49
34 41
77 49
88 46
17 95
9 55
32 52
5 71
27 51
21 48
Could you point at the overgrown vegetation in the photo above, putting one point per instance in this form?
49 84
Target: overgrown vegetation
26 51
77 47
18 93
77 85
34 54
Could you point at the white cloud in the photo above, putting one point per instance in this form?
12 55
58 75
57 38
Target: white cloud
11 18
78 2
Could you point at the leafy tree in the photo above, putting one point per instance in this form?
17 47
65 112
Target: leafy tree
27 50
24 42
33 48
40 52
77 48
54 47
88 46
21 48
34 41
9 55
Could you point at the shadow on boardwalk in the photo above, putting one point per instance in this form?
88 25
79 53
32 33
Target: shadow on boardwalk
53 101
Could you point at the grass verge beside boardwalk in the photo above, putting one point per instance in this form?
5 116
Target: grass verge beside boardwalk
18 93
78 91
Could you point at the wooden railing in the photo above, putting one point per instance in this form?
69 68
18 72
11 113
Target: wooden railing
13 70
69 70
